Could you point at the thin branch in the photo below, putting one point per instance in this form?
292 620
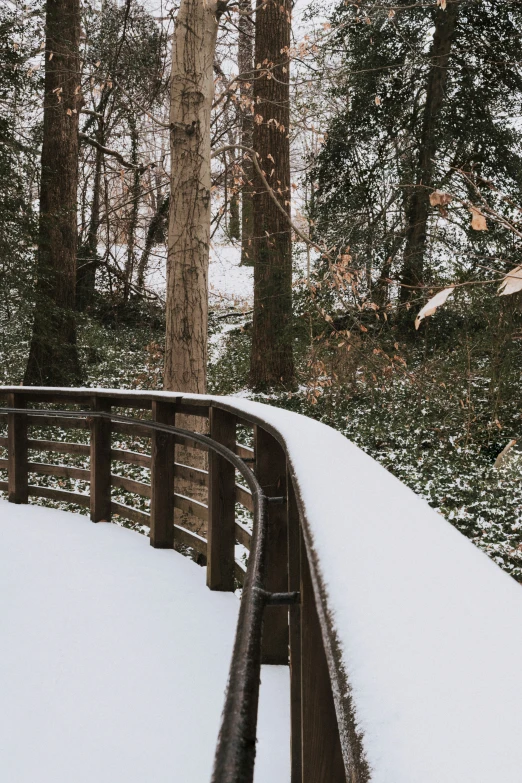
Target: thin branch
112 153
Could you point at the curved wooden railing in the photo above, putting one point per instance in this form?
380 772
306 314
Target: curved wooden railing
283 616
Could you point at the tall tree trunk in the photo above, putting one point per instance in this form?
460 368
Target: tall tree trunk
53 356
192 90
88 256
153 237
133 218
271 361
418 210
245 62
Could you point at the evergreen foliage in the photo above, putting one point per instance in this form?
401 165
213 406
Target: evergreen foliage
368 169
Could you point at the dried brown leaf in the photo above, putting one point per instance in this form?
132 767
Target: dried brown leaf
439 198
432 304
512 283
478 221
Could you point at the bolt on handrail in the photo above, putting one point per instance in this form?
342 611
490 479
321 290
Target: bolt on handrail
236 747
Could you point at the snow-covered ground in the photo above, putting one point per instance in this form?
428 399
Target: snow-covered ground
114 659
230 285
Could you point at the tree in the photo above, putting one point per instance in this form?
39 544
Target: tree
18 172
125 51
405 120
192 89
245 61
418 208
53 356
271 361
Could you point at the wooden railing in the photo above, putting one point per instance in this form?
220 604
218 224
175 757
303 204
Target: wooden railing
281 588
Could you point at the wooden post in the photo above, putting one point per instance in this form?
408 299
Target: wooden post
162 478
322 760
17 479
271 474
100 490
294 584
221 535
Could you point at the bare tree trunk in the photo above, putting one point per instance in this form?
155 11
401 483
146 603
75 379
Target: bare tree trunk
245 62
418 211
88 258
133 218
192 89
154 231
53 356
271 361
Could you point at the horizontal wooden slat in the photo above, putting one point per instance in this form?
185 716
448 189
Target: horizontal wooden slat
64 422
188 538
3 464
192 409
142 431
59 396
239 573
190 506
243 536
59 494
134 430
138 487
59 470
3 486
244 451
59 446
139 517
131 457
129 402
194 475
3 443
244 497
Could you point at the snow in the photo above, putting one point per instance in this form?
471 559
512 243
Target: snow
230 284
114 658
430 629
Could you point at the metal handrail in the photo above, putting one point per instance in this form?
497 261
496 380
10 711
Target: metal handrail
236 747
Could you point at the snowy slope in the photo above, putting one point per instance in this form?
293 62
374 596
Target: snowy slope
114 658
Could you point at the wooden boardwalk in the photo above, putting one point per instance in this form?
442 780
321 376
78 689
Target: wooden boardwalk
114 658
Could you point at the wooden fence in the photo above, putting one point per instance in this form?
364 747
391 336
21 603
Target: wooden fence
294 632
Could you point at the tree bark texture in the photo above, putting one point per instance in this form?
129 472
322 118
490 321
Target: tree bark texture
245 62
88 257
271 361
192 89
154 236
418 211
134 212
53 357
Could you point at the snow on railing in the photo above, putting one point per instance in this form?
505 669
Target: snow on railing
405 647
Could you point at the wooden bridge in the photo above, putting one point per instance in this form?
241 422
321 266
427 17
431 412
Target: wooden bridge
371 598
278 591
